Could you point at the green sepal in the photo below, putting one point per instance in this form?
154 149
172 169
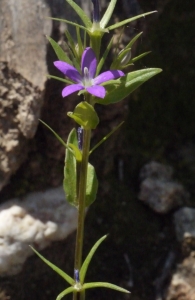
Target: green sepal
105 285
65 292
59 52
87 22
122 23
92 185
106 137
66 277
70 171
125 85
85 115
108 14
88 259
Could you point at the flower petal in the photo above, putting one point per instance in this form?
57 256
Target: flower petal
71 89
97 90
108 75
89 61
68 70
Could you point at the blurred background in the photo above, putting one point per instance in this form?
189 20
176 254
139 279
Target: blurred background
146 170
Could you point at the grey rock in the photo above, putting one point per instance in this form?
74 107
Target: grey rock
184 220
38 219
158 190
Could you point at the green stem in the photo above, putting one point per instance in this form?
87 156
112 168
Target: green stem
81 207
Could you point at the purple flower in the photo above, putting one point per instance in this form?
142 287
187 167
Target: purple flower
86 80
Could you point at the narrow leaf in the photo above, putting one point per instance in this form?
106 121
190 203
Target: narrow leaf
88 259
108 14
58 50
139 56
60 79
69 279
105 285
106 137
56 135
68 22
104 56
129 83
119 24
81 13
65 292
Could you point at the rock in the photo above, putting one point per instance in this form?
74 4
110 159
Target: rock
182 286
158 190
37 220
184 220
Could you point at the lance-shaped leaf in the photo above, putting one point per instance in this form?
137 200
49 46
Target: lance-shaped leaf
88 259
59 51
65 292
66 277
105 285
108 14
123 87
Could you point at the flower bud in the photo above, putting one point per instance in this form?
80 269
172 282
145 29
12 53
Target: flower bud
96 11
126 58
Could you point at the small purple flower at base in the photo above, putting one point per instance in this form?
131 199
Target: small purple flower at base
86 80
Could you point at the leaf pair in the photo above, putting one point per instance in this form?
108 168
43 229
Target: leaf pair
80 286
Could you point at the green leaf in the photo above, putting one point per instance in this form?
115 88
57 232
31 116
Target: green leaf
70 172
92 185
59 52
65 292
68 22
119 24
139 57
106 137
105 285
66 277
85 115
108 14
60 79
88 259
104 56
81 14
56 135
126 85
130 44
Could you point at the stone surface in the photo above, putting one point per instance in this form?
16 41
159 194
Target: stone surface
37 220
182 286
23 69
158 190
184 220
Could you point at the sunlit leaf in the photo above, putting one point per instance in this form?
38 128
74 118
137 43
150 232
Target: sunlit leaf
105 285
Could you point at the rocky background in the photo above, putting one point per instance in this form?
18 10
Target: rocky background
146 170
